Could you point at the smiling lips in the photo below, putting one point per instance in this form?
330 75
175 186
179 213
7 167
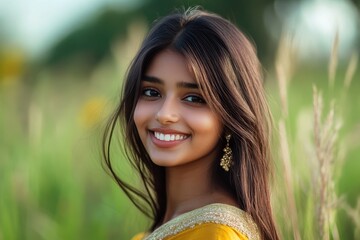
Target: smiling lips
169 137
166 140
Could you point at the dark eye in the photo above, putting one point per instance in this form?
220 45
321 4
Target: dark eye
149 92
194 99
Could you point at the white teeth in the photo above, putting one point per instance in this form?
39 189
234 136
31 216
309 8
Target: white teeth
169 137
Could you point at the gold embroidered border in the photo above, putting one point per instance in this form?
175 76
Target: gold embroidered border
214 213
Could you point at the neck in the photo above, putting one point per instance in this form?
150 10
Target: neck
191 186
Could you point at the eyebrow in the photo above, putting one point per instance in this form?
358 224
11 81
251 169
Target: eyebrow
179 84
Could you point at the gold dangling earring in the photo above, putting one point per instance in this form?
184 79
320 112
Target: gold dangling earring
226 159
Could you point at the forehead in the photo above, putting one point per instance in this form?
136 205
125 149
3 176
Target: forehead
169 65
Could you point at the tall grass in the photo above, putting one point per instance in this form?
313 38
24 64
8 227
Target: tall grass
52 183
311 161
53 187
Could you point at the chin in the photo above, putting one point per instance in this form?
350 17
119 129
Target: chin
164 163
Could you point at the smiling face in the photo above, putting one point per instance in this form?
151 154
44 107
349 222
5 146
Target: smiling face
175 124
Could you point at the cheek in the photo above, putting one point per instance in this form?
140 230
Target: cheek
139 115
143 115
205 123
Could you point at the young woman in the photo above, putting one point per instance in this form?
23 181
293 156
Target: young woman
195 123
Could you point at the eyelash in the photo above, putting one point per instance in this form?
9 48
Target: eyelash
146 92
199 100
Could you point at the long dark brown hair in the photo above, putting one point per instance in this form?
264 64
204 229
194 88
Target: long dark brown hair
226 67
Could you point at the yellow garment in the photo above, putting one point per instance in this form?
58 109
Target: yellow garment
138 236
209 231
206 231
211 222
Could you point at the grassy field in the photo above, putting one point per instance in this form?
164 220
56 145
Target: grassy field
339 134
53 186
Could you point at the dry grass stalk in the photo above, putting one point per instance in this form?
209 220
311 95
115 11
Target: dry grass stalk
325 134
351 69
282 89
286 55
333 60
124 50
288 180
284 67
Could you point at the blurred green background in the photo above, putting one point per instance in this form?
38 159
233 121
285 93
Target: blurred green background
61 68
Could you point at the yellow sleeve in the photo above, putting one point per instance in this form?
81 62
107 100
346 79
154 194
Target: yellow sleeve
209 231
138 236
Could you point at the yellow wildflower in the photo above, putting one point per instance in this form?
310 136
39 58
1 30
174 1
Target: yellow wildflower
92 112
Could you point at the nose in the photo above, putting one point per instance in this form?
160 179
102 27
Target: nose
168 112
